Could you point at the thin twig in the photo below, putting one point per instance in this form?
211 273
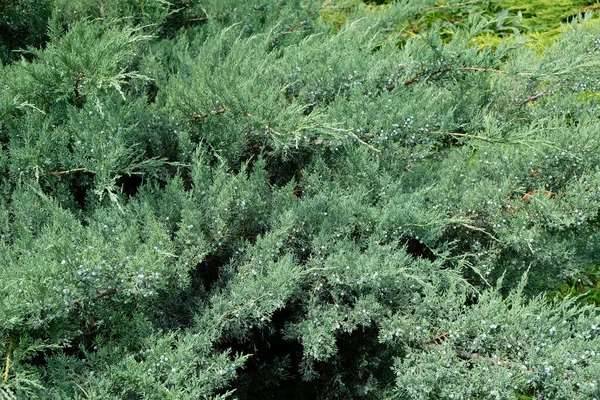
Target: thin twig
476 228
466 135
267 127
273 131
70 171
526 142
466 3
192 20
419 76
438 339
8 351
326 3
363 142
105 292
27 104
198 117
479 69
99 294
349 132
534 97
82 389
438 71
59 173
464 354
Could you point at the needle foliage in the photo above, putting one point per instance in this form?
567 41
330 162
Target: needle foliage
298 199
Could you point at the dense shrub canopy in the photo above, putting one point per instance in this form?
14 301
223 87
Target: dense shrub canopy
299 199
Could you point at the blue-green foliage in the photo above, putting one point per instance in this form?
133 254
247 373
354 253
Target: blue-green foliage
243 200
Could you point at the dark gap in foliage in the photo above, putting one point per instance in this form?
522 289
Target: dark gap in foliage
175 313
79 98
465 236
468 241
376 2
417 248
573 17
298 191
308 110
151 92
130 184
376 48
27 56
39 359
183 18
77 347
283 170
301 252
448 142
81 182
170 173
60 191
355 348
473 300
206 274
290 94
273 370
187 180
254 149
358 236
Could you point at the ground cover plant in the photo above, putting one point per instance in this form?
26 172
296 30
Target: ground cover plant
299 199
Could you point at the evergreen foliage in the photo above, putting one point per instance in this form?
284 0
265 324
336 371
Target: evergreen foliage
298 199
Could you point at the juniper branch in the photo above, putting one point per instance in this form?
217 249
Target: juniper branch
198 117
534 97
8 352
99 294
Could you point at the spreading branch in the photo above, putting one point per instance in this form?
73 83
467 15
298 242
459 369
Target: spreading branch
273 131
